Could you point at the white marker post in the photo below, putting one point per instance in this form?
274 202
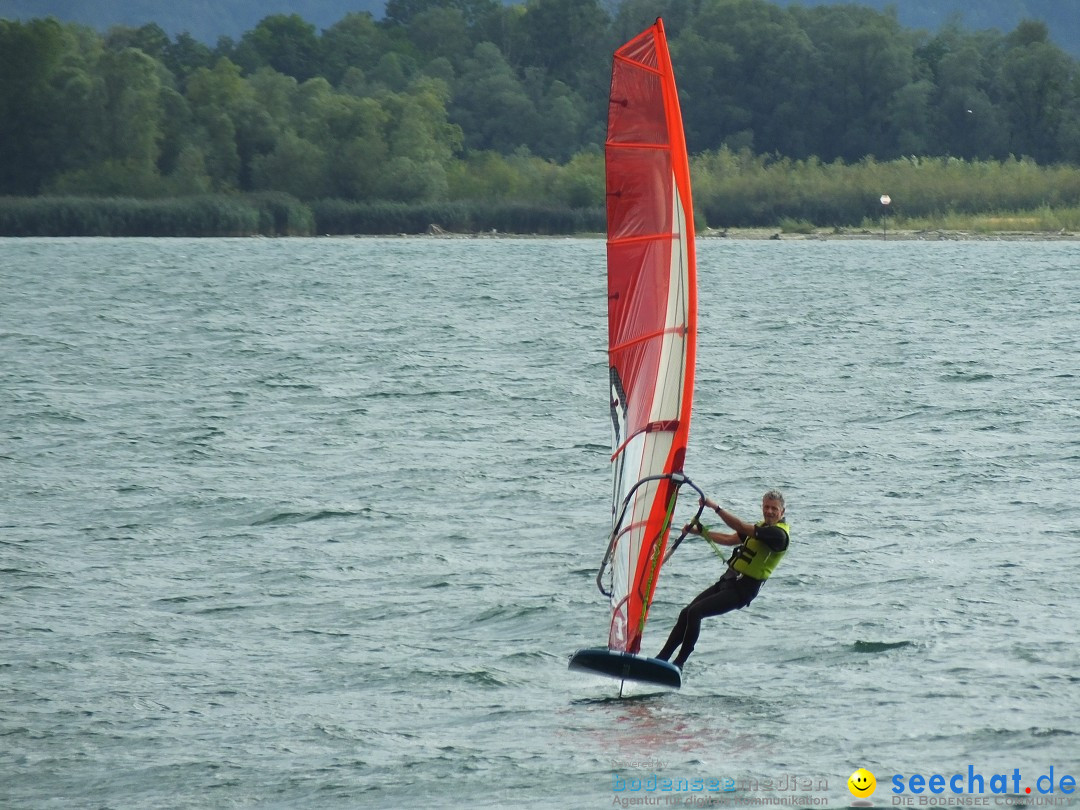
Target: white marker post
885 200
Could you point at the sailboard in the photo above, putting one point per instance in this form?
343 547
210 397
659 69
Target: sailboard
652 335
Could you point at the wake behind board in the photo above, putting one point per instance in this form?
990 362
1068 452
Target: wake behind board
626 666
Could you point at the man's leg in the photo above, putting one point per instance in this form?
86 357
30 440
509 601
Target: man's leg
679 630
723 600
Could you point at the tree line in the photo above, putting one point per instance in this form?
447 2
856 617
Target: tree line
458 100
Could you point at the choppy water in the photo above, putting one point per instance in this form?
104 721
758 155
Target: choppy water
314 523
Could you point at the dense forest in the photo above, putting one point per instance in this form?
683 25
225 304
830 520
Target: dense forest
445 100
1062 17
205 20
209 20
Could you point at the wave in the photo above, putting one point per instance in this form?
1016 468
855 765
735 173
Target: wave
285 518
879 646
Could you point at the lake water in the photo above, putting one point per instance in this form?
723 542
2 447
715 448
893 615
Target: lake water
314 523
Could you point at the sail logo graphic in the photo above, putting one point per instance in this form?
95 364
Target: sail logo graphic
618 407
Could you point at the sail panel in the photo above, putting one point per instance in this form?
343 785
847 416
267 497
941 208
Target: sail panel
639 204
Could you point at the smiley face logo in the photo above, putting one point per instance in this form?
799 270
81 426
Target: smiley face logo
862 783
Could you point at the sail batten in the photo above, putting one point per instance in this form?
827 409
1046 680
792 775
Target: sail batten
612 145
670 330
649 237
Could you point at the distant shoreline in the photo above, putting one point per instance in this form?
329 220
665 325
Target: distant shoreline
777 235
730 234
278 215
931 235
774 234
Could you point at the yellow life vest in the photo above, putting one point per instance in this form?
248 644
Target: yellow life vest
754 558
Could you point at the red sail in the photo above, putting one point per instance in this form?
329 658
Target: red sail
652 303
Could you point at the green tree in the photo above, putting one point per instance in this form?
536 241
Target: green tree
419 127
275 94
965 121
1036 82
634 16
394 71
482 176
231 127
443 32
580 183
866 62
76 97
745 69
296 166
404 12
421 140
569 41
562 121
491 105
189 175
125 131
151 39
30 121
352 134
283 42
185 54
133 107
355 41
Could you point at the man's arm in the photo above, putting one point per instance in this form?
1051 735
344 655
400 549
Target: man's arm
722 538
741 527
774 537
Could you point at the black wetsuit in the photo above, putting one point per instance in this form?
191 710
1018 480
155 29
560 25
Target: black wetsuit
731 592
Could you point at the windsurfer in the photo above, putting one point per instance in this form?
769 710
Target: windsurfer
759 549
